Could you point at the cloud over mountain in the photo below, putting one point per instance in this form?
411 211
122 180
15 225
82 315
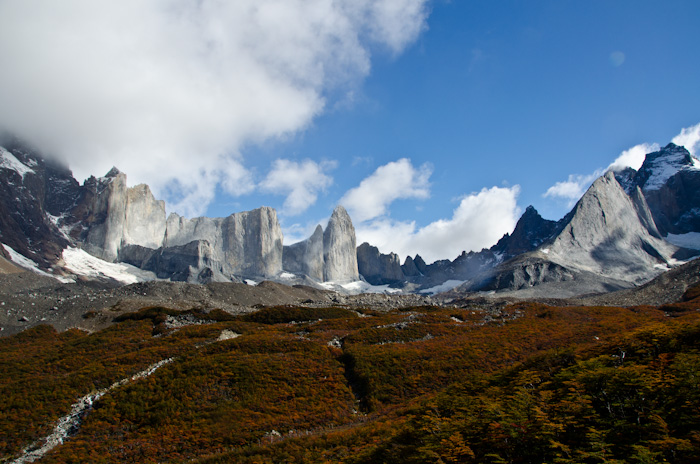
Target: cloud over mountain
170 91
690 139
576 185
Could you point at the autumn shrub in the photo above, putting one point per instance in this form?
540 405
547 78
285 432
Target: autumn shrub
287 314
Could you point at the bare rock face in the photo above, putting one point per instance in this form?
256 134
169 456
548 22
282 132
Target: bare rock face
246 244
530 232
670 181
192 262
28 197
607 242
328 255
144 222
608 236
117 216
378 268
306 257
339 248
106 230
409 267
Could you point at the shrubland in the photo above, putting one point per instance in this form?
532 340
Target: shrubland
528 383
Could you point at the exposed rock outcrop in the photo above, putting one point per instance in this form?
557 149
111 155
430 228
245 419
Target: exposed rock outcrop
530 232
328 255
378 268
306 257
607 242
409 267
607 236
144 221
245 244
28 186
670 181
192 262
339 248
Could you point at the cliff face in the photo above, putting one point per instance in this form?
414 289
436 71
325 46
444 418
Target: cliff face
670 181
378 268
339 248
116 223
245 244
129 224
306 257
328 255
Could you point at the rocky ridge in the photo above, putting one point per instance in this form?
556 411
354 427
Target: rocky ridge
612 239
44 210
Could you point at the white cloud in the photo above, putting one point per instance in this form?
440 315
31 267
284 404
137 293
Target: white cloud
689 138
576 185
300 182
393 181
169 90
633 157
573 188
479 221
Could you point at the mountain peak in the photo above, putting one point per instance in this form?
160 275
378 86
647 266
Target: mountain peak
661 165
340 213
114 172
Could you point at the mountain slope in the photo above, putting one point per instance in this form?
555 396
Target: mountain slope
608 242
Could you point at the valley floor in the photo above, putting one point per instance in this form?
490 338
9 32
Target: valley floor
517 383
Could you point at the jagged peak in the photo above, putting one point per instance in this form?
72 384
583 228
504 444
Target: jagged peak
114 172
663 164
340 212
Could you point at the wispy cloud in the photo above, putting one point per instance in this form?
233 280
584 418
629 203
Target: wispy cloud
170 90
573 188
300 182
391 182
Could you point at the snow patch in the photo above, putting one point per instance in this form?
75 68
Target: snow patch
30 265
690 240
82 263
359 286
443 287
8 161
252 283
287 276
663 168
56 220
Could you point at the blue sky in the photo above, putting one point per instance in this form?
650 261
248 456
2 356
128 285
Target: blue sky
455 115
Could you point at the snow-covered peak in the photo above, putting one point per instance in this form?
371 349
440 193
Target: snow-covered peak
8 161
659 166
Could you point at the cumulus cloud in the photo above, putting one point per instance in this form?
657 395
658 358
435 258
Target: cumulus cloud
300 182
689 138
393 181
479 221
170 91
633 157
